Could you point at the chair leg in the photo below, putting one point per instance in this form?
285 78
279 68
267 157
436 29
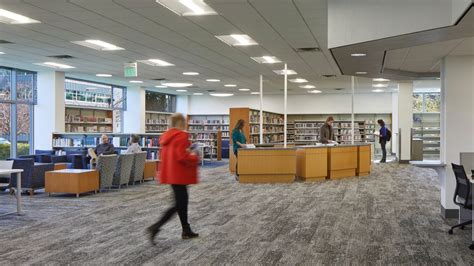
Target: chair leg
459 225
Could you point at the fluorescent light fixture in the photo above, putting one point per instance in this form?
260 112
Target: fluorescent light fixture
104 75
2 53
230 85
255 93
188 7
361 72
198 93
358 54
288 72
136 81
378 90
314 91
266 59
219 94
190 73
244 89
177 84
308 87
54 65
237 40
379 85
438 78
155 62
181 90
99 45
9 17
161 86
298 80
213 80
380 79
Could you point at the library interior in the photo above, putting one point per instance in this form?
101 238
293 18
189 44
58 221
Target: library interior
315 132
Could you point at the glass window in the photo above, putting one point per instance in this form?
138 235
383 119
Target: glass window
417 103
160 102
23 129
432 102
5 84
120 98
25 86
5 111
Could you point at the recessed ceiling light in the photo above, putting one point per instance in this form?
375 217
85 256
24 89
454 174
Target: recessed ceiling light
244 89
379 85
230 85
213 80
255 93
99 45
104 75
298 80
2 53
177 84
136 81
314 91
237 40
266 59
198 93
218 94
161 86
188 7
181 90
54 65
378 90
9 17
358 54
308 87
190 73
155 62
361 72
288 72
380 79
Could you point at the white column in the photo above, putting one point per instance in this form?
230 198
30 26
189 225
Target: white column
285 111
457 121
50 109
395 127
352 111
261 109
405 118
134 117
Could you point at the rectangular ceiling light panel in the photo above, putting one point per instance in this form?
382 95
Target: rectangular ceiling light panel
9 17
237 40
155 62
266 60
55 65
188 7
288 72
99 45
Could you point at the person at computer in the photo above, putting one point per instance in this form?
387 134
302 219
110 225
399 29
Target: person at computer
326 133
105 147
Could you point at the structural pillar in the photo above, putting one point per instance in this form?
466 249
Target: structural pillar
49 111
134 116
405 120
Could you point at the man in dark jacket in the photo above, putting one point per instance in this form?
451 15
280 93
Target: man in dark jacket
105 147
383 139
326 133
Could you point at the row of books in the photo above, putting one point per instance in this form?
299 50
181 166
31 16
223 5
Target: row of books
157 121
156 128
203 136
266 129
207 122
209 128
89 129
92 141
268 118
87 119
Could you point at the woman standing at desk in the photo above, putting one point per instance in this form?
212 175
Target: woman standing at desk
326 132
238 141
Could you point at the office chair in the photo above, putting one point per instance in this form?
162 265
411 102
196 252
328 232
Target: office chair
462 194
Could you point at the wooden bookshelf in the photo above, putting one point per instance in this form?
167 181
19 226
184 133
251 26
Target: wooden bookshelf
88 120
156 122
209 130
426 126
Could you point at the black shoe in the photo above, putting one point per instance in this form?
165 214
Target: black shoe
152 232
188 233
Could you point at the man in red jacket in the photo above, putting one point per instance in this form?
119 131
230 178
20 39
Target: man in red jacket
178 167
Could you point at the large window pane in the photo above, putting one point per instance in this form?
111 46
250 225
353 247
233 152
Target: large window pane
160 102
25 84
5 84
23 129
417 103
5 111
84 93
432 103
119 98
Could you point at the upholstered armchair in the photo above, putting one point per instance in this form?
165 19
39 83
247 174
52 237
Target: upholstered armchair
138 167
33 175
75 159
40 156
106 166
123 169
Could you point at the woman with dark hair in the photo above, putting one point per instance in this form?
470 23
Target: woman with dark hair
383 139
238 139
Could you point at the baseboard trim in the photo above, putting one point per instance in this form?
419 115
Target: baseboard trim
449 213
404 161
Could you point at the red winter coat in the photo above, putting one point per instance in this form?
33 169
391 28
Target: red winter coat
178 166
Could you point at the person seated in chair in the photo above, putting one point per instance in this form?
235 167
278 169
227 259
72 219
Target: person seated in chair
105 147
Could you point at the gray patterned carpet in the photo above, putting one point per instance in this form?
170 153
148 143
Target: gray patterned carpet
390 217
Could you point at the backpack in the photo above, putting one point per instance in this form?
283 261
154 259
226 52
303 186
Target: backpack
389 135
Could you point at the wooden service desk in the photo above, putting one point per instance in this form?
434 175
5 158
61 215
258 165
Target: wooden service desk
267 165
342 161
312 163
364 160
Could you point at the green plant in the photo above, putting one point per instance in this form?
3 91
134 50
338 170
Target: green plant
22 149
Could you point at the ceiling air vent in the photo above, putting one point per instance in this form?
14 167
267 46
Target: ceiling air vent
338 89
307 50
211 90
286 89
62 56
159 79
4 42
329 76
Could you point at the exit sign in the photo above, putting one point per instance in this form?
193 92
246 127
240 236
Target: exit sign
130 70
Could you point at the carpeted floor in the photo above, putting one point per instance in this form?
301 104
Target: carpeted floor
390 217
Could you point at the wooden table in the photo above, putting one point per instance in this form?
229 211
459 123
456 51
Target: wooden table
267 165
74 181
17 172
60 166
312 163
150 171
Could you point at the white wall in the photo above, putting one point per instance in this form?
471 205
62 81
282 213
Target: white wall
182 104
457 118
50 109
297 104
405 118
134 117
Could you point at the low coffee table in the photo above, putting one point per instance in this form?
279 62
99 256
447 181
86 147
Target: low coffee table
74 181
60 166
